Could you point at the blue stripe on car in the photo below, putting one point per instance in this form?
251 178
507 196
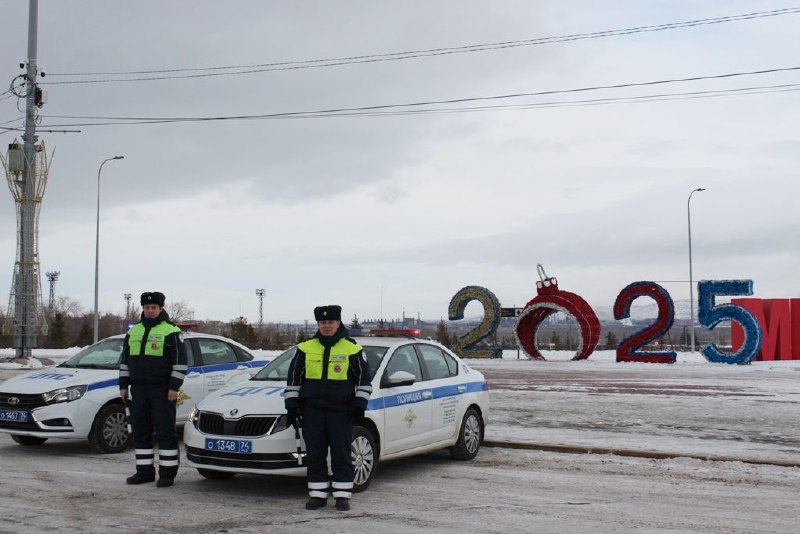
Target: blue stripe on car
227 366
206 369
413 397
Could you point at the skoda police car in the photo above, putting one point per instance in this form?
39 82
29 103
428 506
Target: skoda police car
79 398
424 398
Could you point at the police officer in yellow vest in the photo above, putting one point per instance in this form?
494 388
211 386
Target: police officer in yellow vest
153 365
327 390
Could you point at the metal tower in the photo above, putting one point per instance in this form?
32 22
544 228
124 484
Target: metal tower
260 295
52 277
127 306
26 169
27 180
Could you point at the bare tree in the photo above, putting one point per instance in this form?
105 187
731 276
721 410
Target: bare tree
179 311
68 307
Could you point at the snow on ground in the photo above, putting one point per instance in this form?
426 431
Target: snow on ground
744 419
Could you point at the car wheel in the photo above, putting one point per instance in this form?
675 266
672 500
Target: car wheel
215 475
109 432
365 458
28 440
470 436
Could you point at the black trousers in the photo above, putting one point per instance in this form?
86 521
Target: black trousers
323 430
152 411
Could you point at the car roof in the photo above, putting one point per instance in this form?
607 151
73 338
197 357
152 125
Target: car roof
391 341
192 333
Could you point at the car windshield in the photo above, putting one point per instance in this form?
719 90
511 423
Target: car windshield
278 369
102 355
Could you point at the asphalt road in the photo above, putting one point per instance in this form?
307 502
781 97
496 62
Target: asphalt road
65 486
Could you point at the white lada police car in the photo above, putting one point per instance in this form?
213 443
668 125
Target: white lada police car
424 398
80 399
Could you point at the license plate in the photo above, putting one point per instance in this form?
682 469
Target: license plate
229 445
14 415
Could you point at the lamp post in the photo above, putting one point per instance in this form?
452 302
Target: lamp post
97 249
691 282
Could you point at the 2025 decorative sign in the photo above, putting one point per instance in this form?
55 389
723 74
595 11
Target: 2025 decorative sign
550 299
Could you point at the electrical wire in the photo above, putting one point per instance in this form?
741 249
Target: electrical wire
339 111
501 107
372 58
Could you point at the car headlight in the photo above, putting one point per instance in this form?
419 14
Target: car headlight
280 424
64 394
194 416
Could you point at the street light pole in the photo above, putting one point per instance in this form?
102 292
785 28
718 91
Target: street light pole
691 282
97 249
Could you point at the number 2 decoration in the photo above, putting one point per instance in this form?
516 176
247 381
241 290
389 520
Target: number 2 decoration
626 351
491 320
550 299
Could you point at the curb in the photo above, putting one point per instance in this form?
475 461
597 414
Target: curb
575 449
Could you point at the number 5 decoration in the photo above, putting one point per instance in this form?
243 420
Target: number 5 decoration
710 315
549 300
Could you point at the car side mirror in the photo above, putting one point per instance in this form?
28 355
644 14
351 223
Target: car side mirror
399 378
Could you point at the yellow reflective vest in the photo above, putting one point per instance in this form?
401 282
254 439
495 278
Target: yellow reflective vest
154 344
338 359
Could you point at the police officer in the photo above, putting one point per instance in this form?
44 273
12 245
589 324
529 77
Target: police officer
153 365
327 390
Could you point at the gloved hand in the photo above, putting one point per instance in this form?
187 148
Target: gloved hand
358 414
294 418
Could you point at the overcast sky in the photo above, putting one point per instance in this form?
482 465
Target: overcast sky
392 214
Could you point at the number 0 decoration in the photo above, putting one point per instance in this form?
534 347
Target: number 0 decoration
549 300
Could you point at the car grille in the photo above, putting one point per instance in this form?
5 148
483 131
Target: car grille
23 402
20 401
249 426
239 460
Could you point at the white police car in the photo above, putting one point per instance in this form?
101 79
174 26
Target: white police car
424 398
79 398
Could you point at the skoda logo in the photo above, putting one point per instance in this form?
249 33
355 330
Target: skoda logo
13 400
234 411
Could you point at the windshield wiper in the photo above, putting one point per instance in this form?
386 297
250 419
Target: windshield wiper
98 366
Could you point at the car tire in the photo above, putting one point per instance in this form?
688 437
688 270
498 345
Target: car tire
470 436
28 440
109 434
215 475
365 458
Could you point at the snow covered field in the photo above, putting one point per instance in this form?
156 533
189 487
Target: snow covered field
663 420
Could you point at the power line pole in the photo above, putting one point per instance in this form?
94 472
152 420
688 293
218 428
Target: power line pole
260 295
127 307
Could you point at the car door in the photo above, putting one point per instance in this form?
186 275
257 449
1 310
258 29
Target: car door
220 364
194 384
407 409
448 393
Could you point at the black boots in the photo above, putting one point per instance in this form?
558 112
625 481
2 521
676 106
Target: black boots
315 503
139 478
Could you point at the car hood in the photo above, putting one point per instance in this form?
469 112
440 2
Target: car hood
251 397
45 380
